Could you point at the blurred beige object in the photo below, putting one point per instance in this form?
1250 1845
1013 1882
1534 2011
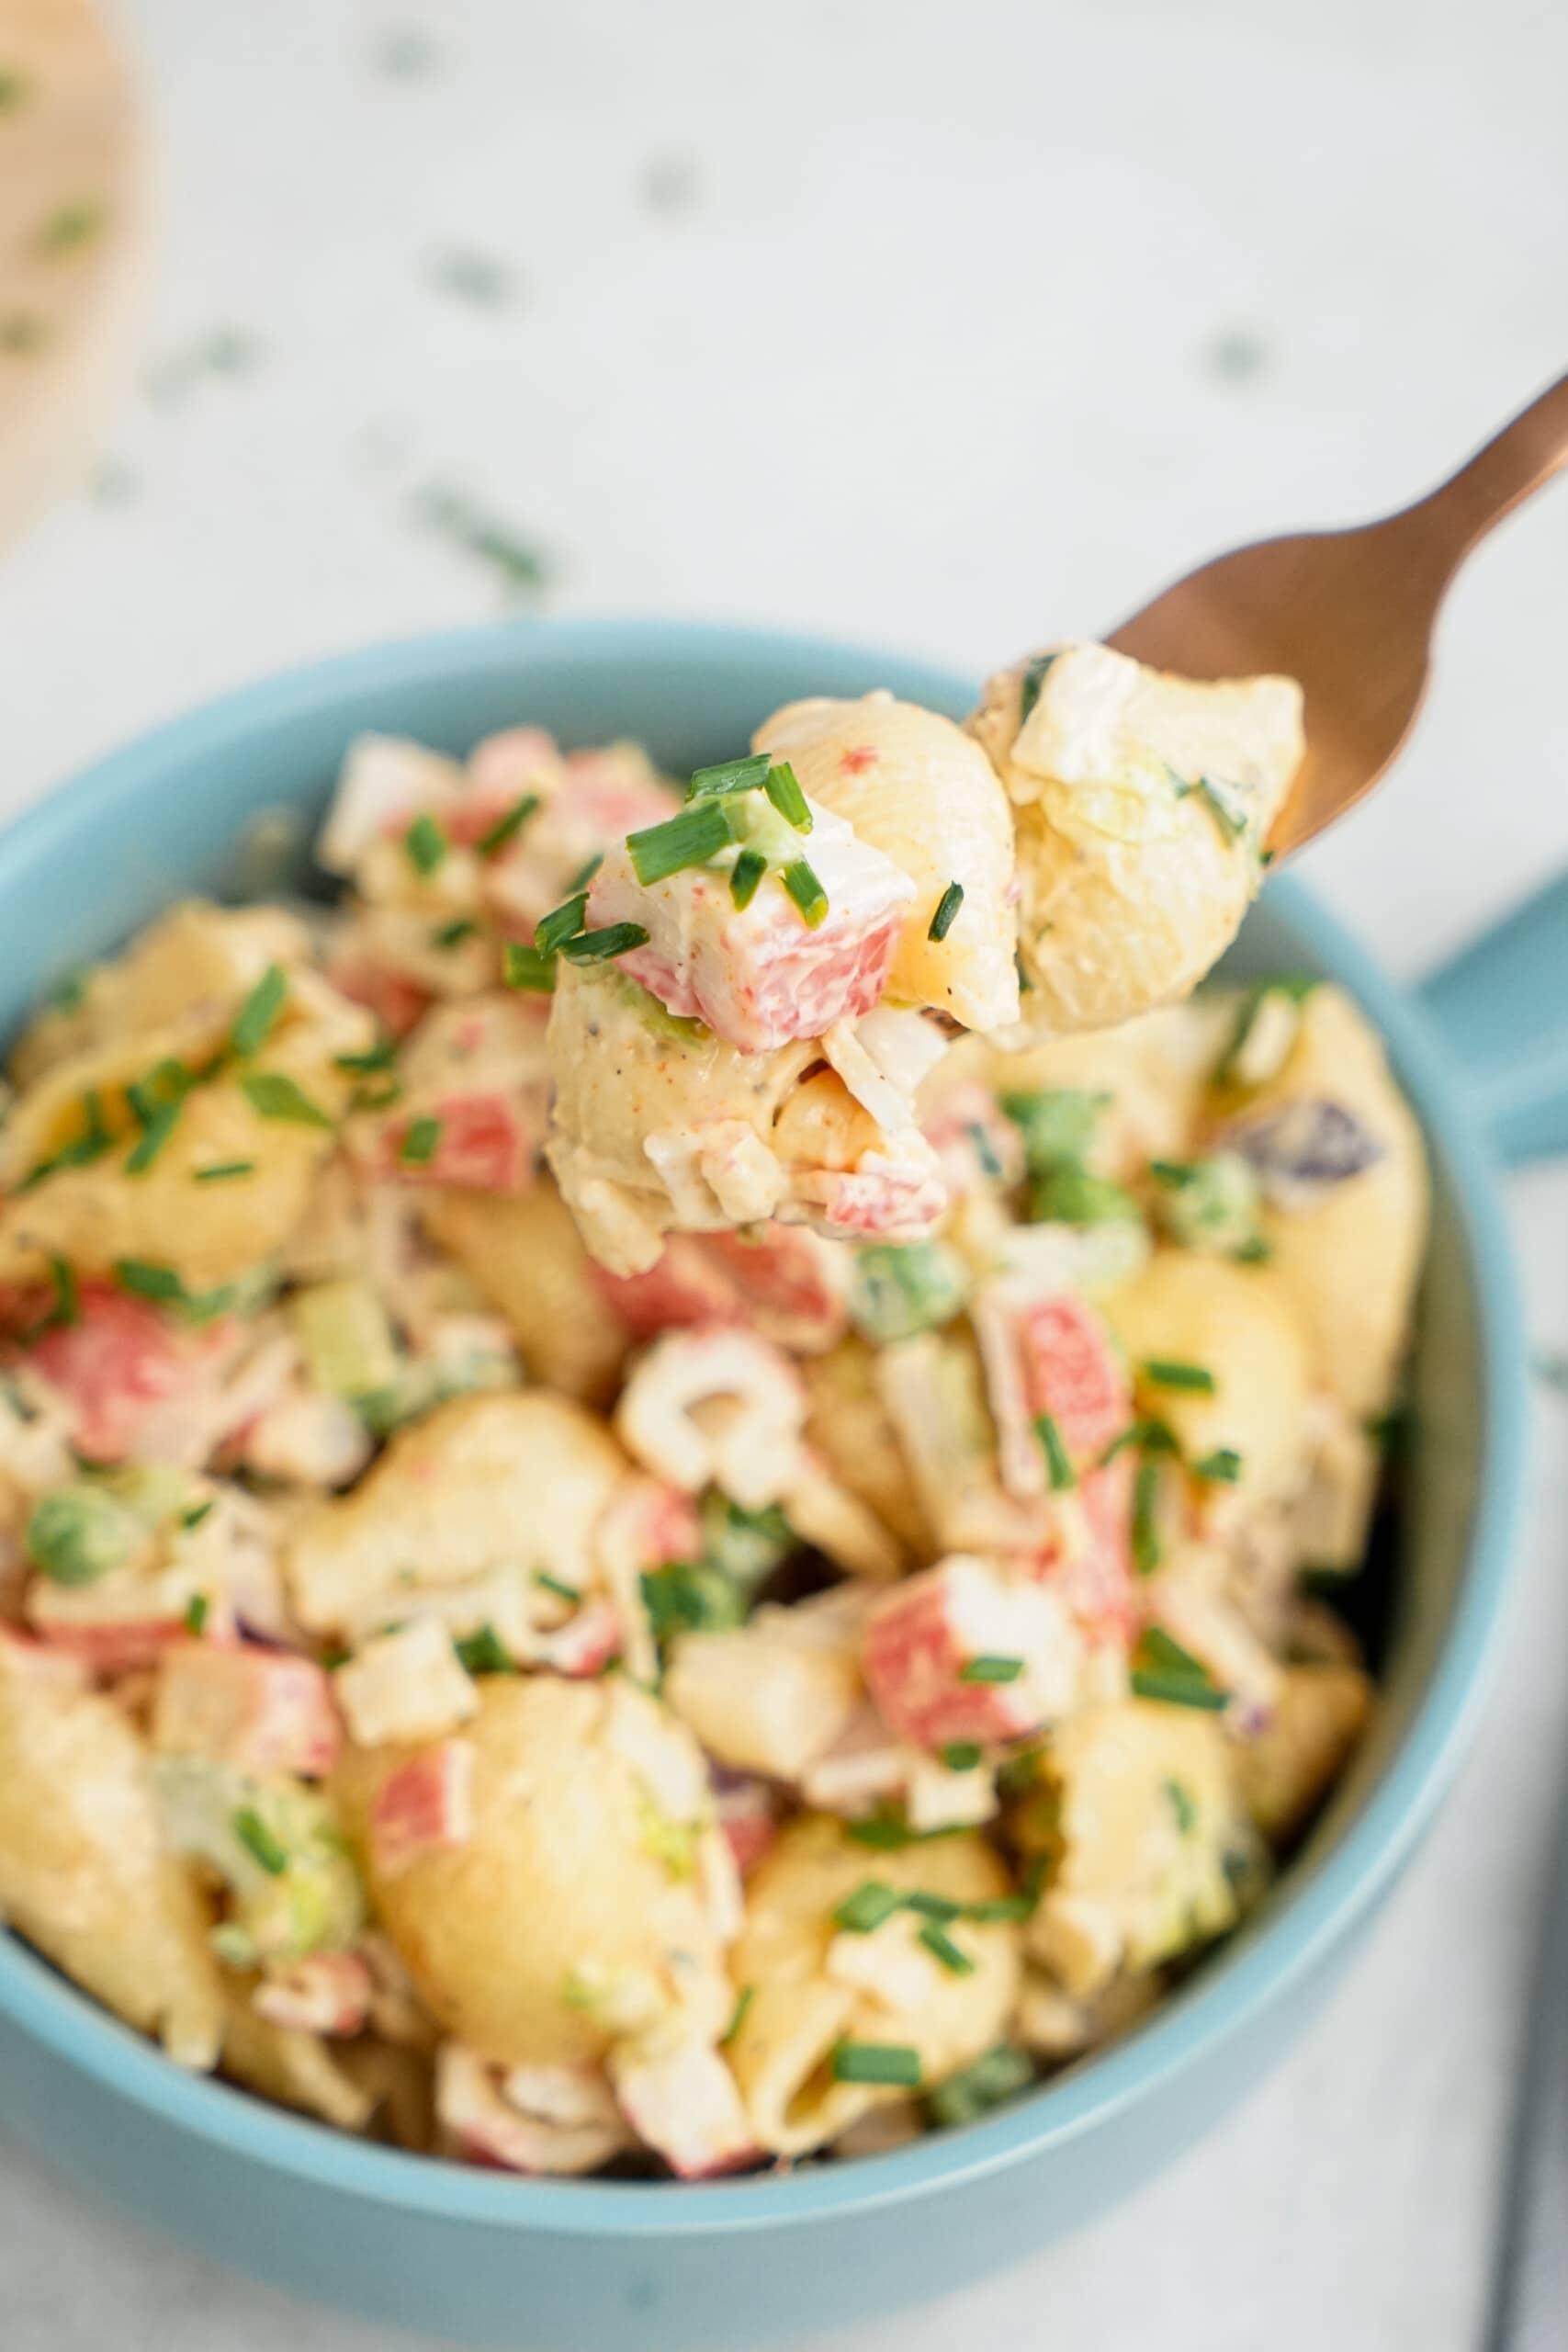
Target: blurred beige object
73 241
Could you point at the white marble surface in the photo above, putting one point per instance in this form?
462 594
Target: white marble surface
953 327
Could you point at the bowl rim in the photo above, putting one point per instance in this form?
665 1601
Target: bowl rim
1224 1999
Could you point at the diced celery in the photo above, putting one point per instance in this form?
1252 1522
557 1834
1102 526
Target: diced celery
744 1545
79 1533
896 1293
314 1903
1056 1122
1210 1204
347 1340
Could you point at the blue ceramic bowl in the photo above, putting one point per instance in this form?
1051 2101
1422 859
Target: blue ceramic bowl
639 2267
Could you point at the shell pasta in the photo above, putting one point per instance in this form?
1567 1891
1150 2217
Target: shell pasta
625 1553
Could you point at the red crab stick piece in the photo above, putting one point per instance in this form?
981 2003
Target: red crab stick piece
122 1366
780 967
961 1653
682 2102
425 1805
262 1711
328 1992
1048 1355
478 1142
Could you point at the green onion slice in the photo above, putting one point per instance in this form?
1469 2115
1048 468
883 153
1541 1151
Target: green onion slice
507 828
784 791
420 1144
426 843
259 1842
730 775
745 875
272 1094
599 946
692 838
1145 1526
946 913
526 967
562 923
1165 1371
1058 1461
940 1946
867 1907
806 891
890 2063
991 1669
253 1022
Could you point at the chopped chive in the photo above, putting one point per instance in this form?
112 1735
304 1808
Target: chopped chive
562 923
806 891
1146 1529
196 1613
887 1831
507 828
743 2001
1033 679
1178 1690
891 2062
420 1143
961 1755
1223 1468
974 2090
381 1056
587 870
526 967
940 1946
144 1279
1177 1173
599 946
697 834
941 1907
155 1136
83 1149
255 1020
426 843
1149 1437
222 1170
785 792
991 1669
1254 1252
272 1094
1058 1461
946 913
730 775
1268 856
483 1651
67 1308
867 1907
1162 1649
998 1907
452 934
259 1842
376 1098
745 875
197 1512
1165 1371
1225 805
1182 1806
558 1585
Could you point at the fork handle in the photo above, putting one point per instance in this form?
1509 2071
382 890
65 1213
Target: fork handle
1513 464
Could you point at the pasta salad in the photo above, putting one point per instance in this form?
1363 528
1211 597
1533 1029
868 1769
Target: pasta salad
687 1555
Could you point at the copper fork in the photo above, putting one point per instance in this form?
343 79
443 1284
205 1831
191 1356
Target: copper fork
1348 613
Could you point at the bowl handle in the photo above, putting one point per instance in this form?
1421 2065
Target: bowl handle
1502 1005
